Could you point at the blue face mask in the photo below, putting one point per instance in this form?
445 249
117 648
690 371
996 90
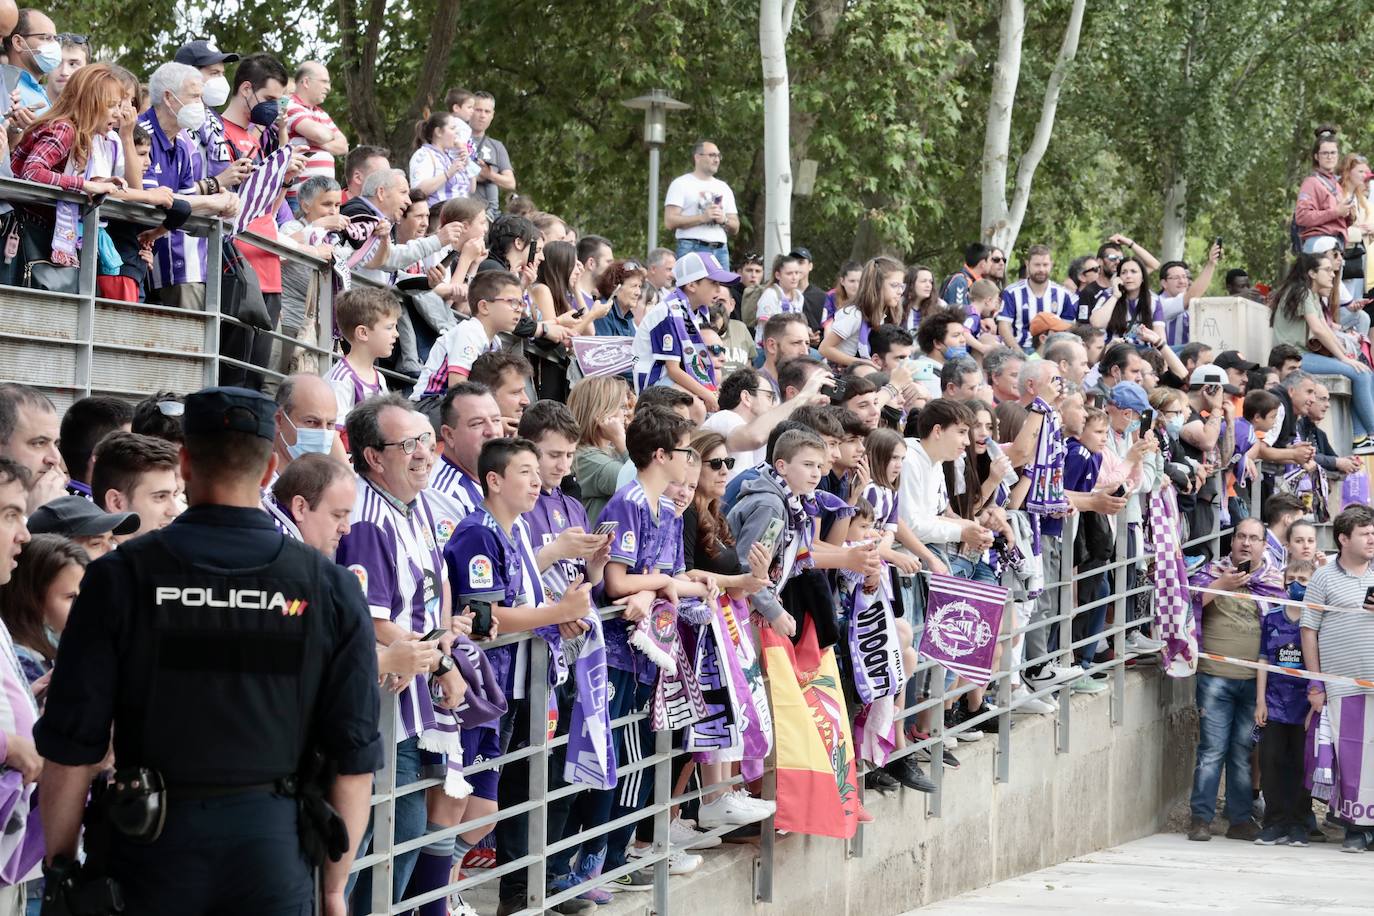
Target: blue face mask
1297 591
955 352
265 113
309 441
1175 426
1132 426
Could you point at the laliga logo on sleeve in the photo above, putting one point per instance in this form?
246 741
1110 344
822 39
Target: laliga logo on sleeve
958 629
480 572
627 542
444 530
361 572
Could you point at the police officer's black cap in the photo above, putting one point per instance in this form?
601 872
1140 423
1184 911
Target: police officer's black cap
78 517
218 410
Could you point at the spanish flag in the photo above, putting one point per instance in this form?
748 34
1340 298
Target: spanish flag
818 785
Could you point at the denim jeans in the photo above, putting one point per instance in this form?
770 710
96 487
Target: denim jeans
1361 388
966 568
721 253
1226 720
410 823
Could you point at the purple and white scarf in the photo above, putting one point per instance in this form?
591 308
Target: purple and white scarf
66 236
259 190
874 647
590 761
1046 496
1172 605
677 699
758 731
483 705
656 635
719 735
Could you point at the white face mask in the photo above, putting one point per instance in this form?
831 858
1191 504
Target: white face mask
216 91
191 116
47 56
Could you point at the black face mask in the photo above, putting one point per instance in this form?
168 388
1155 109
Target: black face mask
264 114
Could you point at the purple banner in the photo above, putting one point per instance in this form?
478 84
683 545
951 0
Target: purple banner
604 355
963 619
590 761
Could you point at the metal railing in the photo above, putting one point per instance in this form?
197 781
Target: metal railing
540 746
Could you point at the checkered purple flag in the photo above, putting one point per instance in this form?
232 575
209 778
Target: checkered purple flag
260 189
1172 604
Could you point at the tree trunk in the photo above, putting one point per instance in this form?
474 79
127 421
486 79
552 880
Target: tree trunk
359 69
1002 223
775 19
1175 210
430 84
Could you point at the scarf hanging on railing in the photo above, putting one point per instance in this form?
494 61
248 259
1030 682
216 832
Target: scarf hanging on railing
656 635
1320 757
1046 496
758 732
1172 604
677 699
483 705
66 236
874 647
590 761
719 735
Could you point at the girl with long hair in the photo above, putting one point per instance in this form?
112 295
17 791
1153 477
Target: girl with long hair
1323 209
439 165
1126 308
601 406
920 298
1355 174
843 292
1298 317
877 301
35 602
555 288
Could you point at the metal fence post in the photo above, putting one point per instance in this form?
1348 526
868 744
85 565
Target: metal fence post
384 813
937 750
536 876
663 796
1122 610
1068 600
214 276
1002 753
86 290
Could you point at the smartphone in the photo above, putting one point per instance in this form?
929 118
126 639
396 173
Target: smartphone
481 617
771 533
1147 420
1218 241
579 313
1243 566
835 392
1369 595
433 634
606 528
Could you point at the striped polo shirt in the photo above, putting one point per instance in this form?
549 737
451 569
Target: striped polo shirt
1345 638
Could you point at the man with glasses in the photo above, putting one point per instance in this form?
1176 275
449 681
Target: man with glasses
1037 293
749 410
1178 290
33 48
700 208
393 548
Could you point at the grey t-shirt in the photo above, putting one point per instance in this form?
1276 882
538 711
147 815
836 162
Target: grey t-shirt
493 151
1345 639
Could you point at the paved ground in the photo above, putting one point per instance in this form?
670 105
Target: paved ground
1167 874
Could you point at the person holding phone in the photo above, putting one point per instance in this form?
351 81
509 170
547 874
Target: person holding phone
1226 691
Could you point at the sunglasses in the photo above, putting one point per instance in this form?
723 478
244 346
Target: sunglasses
716 350
631 266
716 464
999 260
71 38
171 408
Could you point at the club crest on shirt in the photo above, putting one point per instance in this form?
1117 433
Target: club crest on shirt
627 542
667 341
558 518
361 572
479 572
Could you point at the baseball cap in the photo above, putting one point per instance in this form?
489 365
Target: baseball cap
1047 322
1212 374
801 252
695 266
202 53
217 410
1128 396
78 517
1231 359
1323 245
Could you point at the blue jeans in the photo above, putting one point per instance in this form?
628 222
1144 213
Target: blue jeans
966 568
1361 388
410 823
1226 720
721 253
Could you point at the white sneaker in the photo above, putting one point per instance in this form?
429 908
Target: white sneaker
729 811
952 742
457 906
1053 674
1141 644
680 862
683 834
1024 703
762 805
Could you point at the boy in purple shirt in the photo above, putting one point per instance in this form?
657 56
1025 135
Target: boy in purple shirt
1281 709
1082 464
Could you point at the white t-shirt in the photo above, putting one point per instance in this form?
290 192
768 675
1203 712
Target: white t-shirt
694 195
725 422
771 303
847 324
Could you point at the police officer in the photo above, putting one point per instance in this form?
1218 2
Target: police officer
224 655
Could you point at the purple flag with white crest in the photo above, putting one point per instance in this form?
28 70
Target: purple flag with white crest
604 355
963 619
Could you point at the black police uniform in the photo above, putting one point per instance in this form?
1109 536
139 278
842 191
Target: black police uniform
220 651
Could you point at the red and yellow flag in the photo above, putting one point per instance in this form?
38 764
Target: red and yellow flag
818 785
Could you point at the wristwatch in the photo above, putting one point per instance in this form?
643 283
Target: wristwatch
446 664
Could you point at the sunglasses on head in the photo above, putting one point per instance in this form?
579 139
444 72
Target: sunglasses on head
171 408
716 464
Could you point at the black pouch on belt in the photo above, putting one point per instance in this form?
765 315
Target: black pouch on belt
322 829
136 803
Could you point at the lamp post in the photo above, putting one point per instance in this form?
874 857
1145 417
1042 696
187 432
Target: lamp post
655 106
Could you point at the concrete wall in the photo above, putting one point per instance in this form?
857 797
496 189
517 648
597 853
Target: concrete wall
1115 784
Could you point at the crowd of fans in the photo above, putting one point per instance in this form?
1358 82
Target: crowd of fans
762 445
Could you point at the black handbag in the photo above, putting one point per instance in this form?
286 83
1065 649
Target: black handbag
240 294
1354 262
35 253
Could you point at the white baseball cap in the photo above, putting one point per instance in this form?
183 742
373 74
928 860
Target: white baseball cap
695 266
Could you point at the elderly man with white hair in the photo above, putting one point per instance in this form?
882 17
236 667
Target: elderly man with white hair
178 275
